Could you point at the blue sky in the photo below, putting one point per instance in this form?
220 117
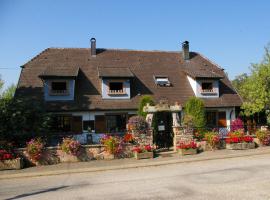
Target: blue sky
232 33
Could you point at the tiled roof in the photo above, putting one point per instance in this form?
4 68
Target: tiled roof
114 72
143 65
60 71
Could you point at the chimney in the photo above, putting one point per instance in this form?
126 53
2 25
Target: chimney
185 50
93 47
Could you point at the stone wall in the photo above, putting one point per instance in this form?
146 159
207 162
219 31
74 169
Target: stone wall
54 155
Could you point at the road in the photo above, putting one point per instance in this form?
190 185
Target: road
237 178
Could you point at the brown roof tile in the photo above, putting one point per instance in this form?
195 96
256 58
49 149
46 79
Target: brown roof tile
142 64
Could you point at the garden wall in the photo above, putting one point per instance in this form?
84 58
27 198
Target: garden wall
54 155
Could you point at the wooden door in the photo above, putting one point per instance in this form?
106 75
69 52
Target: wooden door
222 119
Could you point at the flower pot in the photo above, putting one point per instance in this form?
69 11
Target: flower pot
240 146
184 152
143 155
16 163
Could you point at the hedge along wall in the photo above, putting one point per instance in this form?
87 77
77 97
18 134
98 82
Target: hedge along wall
54 155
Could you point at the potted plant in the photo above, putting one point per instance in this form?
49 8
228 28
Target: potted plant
9 160
263 137
238 141
112 144
128 138
142 152
212 140
69 150
187 147
34 149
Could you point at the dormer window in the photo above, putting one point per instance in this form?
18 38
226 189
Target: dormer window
162 81
116 88
208 88
59 88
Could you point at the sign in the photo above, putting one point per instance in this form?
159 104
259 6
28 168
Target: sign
161 128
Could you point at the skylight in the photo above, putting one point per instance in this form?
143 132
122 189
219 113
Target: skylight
162 81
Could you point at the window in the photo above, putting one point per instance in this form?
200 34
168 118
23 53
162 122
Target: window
207 87
89 125
211 118
116 88
112 123
62 123
162 81
59 88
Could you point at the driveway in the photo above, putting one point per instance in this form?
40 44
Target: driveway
235 178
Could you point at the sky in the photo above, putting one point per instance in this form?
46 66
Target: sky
232 33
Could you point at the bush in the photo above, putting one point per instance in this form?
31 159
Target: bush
237 124
263 136
143 101
70 146
194 108
34 148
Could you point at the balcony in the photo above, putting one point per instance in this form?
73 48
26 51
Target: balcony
212 91
116 92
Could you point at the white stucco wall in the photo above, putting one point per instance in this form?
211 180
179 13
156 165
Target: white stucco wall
193 84
70 96
104 88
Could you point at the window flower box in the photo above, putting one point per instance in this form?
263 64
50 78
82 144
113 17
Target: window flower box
143 155
240 146
187 147
143 152
190 151
16 163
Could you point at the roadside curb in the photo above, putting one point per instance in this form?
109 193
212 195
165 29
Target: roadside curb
130 166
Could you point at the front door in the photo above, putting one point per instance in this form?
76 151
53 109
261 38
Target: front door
163 135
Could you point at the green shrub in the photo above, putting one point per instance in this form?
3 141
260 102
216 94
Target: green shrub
143 101
194 108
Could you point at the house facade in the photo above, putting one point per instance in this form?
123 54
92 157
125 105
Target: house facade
99 89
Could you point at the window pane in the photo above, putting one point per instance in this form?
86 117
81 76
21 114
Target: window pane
89 124
59 86
116 86
207 86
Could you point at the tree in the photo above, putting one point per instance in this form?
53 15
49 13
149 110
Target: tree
239 81
255 90
194 110
1 84
9 92
143 101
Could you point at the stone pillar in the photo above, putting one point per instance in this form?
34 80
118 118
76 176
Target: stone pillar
181 134
149 119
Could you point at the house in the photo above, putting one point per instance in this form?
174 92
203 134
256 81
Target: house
98 89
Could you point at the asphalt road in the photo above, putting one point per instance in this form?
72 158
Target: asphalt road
237 178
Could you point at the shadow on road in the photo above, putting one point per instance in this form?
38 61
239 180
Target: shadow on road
39 192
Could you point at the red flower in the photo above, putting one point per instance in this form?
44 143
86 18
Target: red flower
148 147
137 149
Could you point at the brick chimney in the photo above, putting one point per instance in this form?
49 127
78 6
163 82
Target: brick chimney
93 47
185 50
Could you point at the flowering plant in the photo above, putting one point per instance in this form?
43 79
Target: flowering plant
70 146
212 138
238 137
142 149
237 124
199 134
186 145
263 136
113 144
128 138
137 123
5 155
34 148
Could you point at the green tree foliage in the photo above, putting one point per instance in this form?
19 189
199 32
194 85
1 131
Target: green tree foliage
9 92
1 84
22 120
194 109
255 88
143 101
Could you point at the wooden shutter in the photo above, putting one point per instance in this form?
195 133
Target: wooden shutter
100 124
77 124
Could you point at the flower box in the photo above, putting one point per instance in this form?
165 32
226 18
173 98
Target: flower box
190 151
240 146
16 163
143 155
